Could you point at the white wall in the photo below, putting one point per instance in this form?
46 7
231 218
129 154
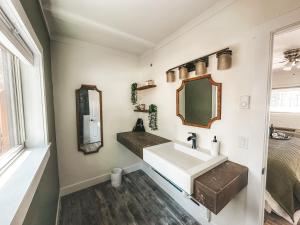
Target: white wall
75 63
283 79
245 27
288 120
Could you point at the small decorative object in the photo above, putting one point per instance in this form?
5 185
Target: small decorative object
149 82
280 136
200 67
183 72
142 106
170 76
224 59
133 93
138 107
153 117
215 147
139 126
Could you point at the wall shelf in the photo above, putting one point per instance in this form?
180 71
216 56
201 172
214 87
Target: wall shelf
146 87
136 141
140 110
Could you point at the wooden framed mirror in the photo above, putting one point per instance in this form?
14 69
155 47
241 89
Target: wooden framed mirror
198 101
89 119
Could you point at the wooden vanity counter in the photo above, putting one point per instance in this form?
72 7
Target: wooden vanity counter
136 141
214 189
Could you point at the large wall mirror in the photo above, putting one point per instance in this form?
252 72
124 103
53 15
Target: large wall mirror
89 119
198 101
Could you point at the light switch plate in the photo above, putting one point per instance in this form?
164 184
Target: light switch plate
243 142
245 102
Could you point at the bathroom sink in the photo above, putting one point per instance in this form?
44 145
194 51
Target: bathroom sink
181 164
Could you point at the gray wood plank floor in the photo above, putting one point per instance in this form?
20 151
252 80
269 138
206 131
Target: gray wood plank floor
138 201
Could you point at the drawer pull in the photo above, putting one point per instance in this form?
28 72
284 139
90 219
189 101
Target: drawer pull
202 197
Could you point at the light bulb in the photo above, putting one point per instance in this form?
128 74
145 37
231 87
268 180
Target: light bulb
288 66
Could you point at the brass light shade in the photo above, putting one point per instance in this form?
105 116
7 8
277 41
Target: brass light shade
183 72
200 67
170 76
224 60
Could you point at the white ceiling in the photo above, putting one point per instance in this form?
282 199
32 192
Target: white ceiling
282 42
130 25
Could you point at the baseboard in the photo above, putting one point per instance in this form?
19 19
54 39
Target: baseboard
58 211
95 180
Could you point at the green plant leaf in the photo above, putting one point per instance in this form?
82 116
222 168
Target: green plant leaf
152 117
134 93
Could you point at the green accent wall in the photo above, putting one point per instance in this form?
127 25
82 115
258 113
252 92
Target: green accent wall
198 101
42 210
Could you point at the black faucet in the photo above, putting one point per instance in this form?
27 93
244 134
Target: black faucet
193 137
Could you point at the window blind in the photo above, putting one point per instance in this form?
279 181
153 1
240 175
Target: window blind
285 100
12 40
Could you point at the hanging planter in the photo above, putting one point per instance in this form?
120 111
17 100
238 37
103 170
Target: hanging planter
153 117
134 93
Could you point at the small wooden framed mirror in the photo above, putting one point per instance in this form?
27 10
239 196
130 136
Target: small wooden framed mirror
89 119
198 101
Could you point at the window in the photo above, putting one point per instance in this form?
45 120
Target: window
21 62
11 109
285 100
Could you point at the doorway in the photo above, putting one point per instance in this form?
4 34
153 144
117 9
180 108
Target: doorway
282 192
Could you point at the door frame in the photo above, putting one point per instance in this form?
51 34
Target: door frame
290 27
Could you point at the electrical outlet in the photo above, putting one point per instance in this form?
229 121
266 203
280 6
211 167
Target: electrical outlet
243 142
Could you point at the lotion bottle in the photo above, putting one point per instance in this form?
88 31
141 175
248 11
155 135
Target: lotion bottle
215 147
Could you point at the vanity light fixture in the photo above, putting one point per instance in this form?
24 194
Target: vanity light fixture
183 72
170 76
200 67
224 59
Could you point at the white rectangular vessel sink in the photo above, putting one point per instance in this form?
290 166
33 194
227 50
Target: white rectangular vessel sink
181 164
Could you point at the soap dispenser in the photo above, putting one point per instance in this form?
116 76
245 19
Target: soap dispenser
215 147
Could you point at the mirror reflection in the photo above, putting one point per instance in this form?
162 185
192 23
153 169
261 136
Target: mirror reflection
89 119
199 101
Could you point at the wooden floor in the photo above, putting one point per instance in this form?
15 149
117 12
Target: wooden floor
273 219
139 201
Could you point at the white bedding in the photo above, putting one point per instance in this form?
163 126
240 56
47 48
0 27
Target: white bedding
272 205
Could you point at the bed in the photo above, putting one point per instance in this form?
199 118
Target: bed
283 178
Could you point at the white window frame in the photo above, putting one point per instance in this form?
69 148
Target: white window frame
14 9
16 102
